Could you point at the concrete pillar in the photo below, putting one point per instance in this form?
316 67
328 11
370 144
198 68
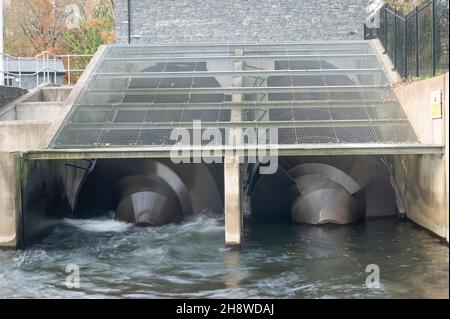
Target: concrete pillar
232 172
10 199
233 195
445 105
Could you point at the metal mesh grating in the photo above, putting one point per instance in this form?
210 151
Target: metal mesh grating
313 93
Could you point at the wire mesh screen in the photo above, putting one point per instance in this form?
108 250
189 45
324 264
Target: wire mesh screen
312 93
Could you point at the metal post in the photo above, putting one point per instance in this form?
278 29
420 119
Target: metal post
54 69
129 20
37 71
68 69
44 67
2 63
385 30
47 67
433 35
417 41
6 72
395 39
20 72
405 53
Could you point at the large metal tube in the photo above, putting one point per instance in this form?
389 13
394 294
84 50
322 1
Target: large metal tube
147 201
312 193
150 192
327 205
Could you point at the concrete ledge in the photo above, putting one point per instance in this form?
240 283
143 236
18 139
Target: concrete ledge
6 110
51 94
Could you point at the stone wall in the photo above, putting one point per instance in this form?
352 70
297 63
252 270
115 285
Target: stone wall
175 21
8 94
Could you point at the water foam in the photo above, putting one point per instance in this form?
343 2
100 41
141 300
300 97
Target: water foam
98 225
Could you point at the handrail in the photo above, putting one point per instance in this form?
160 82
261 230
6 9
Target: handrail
44 71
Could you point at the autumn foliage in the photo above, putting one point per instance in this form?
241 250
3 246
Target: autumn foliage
404 6
58 26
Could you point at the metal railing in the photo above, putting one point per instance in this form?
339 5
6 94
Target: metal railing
417 42
47 68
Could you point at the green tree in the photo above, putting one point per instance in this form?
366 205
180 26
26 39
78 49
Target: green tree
96 28
33 26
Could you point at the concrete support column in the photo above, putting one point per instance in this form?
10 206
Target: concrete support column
445 105
233 195
10 199
232 172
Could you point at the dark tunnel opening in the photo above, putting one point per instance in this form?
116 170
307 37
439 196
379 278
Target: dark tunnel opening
153 192
321 189
150 192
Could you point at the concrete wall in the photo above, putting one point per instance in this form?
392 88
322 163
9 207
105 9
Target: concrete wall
7 94
32 111
48 192
29 81
173 21
49 187
34 196
49 94
9 199
416 101
41 104
423 179
22 135
38 111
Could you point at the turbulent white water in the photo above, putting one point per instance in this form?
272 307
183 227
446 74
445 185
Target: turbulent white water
190 260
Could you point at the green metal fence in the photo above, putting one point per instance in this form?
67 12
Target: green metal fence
418 42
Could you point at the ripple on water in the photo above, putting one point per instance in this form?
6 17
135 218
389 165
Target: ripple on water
190 260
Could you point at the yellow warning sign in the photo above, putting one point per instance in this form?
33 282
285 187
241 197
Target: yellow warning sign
436 105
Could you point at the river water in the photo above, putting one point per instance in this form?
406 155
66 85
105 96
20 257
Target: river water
189 260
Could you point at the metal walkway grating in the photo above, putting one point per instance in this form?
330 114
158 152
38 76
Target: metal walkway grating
314 93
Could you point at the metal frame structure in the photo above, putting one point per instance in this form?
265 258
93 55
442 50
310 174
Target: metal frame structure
340 103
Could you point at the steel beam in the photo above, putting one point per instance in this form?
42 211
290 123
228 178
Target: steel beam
237 105
197 74
283 150
241 90
247 58
241 124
